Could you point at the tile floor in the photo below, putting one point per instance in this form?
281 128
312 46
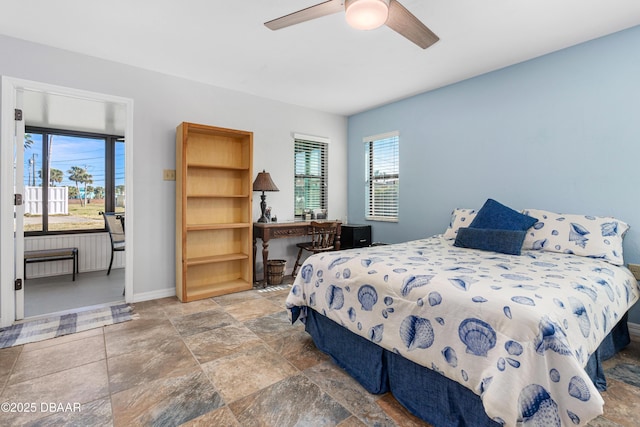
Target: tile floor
232 360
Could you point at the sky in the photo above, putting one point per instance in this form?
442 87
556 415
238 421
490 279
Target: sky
68 151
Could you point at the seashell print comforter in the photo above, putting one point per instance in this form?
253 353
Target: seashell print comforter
516 330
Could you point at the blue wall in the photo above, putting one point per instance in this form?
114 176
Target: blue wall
560 133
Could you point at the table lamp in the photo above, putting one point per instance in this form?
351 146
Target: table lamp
264 183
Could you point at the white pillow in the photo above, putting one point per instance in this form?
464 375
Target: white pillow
459 218
584 235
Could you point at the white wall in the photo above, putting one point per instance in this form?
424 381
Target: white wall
161 102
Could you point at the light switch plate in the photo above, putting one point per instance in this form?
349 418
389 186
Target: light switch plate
635 269
169 174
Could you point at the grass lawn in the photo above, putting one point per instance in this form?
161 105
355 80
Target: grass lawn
80 217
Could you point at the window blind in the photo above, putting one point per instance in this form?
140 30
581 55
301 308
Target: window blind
382 177
310 191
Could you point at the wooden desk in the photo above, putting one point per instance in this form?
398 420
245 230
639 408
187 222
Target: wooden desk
279 230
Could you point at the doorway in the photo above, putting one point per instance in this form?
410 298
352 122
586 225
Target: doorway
54 107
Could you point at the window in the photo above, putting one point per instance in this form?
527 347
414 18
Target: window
382 177
83 176
310 159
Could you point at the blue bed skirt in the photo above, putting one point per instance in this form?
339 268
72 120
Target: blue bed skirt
425 393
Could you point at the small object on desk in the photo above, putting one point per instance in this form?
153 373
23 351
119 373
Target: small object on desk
319 214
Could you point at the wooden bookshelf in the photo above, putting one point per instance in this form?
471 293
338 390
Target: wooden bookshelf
214 240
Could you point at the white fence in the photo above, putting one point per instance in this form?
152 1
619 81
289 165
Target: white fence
58 200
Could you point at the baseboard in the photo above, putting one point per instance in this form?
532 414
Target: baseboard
161 293
634 331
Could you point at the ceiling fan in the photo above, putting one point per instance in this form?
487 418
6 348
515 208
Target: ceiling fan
365 15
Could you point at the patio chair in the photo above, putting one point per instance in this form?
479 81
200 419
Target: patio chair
114 223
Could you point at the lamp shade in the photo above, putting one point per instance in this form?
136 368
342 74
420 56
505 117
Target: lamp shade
366 14
264 182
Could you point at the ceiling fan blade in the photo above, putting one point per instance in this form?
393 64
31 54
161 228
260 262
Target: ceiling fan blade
312 12
407 25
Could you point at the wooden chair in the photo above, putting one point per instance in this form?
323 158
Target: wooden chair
322 237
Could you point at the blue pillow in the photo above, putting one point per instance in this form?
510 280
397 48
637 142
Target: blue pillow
503 241
494 215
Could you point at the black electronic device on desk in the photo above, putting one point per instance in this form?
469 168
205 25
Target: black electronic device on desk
355 236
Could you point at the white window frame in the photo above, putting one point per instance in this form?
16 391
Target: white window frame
382 149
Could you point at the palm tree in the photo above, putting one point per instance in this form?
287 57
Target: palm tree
28 140
98 192
76 174
55 175
87 178
73 192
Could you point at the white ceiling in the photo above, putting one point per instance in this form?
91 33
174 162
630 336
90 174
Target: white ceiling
321 64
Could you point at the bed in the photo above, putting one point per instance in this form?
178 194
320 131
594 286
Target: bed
467 336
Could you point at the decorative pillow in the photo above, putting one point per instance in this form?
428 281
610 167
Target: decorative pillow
584 235
494 215
486 239
459 218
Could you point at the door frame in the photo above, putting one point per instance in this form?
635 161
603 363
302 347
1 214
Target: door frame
9 89
18 210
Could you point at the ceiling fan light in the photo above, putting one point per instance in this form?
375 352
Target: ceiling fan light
366 14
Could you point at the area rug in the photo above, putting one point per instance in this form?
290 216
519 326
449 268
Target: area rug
57 326
273 288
